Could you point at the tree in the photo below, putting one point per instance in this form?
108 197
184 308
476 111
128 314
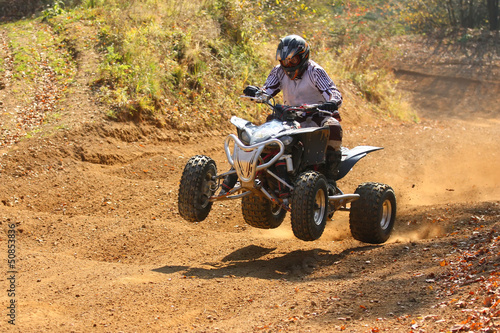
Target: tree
431 14
493 13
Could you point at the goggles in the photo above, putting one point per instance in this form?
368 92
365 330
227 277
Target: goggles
290 62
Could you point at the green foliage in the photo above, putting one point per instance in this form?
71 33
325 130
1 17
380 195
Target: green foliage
56 9
159 64
185 62
32 49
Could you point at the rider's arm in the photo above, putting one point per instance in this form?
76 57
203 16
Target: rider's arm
325 84
273 83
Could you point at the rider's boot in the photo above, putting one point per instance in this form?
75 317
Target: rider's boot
333 160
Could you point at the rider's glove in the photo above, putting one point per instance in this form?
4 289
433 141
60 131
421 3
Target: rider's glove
329 106
332 107
251 91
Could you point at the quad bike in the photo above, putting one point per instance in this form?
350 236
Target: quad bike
254 155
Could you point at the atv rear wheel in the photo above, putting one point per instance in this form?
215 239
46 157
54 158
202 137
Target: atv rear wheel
261 213
372 216
197 186
309 206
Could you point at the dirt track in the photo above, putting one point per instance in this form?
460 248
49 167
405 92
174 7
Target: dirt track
101 247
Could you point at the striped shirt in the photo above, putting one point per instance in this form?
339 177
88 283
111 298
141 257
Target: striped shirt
314 87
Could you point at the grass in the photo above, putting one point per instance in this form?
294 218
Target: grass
32 46
38 54
183 64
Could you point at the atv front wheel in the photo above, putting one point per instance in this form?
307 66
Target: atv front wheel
309 206
261 213
197 186
372 216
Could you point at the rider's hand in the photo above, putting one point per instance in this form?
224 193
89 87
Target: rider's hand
332 107
251 91
329 106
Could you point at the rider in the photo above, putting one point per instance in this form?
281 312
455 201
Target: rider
304 82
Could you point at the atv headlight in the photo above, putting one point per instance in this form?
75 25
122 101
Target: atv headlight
245 137
287 140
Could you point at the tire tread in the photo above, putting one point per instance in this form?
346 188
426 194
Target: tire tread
364 216
189 189
303 200
257 213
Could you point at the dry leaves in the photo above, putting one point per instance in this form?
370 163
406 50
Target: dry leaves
28 117
476 267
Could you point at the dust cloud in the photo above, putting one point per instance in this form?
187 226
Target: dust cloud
465 176
423 232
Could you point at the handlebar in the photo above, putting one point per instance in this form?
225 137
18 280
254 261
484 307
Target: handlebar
287 112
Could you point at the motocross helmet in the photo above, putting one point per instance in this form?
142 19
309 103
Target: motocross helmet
293 55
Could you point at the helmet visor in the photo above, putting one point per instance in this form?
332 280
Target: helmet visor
290 62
